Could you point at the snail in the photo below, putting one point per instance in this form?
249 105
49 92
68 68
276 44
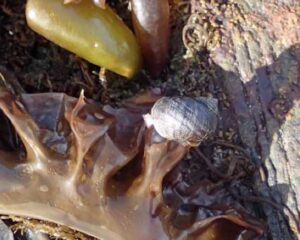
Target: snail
95 34
151 25
186 120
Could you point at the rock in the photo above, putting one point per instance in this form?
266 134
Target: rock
259 60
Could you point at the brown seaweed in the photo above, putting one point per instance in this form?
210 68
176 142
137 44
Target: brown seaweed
152 28
99 170
99 3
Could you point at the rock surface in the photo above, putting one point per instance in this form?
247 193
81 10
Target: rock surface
258 61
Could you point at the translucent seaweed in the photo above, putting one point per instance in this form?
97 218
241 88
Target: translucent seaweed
95 169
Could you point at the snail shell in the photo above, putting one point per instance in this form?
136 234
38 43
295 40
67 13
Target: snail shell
184 119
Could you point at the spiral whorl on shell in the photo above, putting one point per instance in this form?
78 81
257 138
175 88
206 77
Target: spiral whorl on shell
184 119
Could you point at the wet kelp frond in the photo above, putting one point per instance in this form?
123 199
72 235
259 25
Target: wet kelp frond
98 170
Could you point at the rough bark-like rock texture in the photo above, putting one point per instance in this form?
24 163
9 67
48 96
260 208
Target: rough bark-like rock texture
259 60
